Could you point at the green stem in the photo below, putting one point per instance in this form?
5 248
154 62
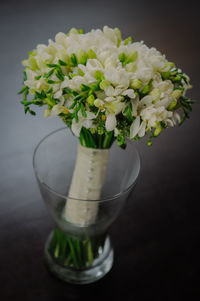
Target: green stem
99 141
77 252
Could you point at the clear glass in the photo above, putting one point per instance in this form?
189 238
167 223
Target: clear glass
73 253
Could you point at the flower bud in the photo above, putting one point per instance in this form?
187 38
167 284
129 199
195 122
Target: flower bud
119 36
80 72
73 30
98 103
131 67
135 83
122 57
90 100
133 57
158 130
155 94
91 54
104 84
81 57
81 31
176 94
99 75
129 39
172 105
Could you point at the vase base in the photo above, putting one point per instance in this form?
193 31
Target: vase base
98 270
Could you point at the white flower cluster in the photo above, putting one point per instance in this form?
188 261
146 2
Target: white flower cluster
98 80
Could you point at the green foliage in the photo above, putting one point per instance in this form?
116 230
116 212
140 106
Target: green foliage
186 105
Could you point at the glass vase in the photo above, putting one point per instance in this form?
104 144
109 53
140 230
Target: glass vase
81 253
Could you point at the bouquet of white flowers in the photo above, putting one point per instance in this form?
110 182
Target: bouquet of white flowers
105 89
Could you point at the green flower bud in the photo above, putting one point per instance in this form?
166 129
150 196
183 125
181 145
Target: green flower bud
80 72
135 83
176 94
172 105
81 56
119 36
100 130
129 39
93 130
165 75
91 54
155 94
81 31
73 75
90 100
177 78
73 30
122 57
134 56
131 67
94 87
32 52
99 75
104 84
158 130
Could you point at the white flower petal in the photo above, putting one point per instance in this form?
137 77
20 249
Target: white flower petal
142 129
134 127
111 122
76 127
90 115
109 91
129 92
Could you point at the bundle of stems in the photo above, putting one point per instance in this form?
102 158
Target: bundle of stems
77 251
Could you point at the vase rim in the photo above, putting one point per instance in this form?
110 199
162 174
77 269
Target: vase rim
105 199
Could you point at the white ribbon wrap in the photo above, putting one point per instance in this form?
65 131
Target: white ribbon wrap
87 181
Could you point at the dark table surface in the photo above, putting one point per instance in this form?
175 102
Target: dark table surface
156 238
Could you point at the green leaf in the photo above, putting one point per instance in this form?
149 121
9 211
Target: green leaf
25 76
41 95
38 77
47 75
60 75
67 90
32 112
83 110
50 81
122 57
52 65
22 90
84 87
73 59
62 63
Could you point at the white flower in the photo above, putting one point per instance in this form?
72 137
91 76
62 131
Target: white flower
115 74
117 77
154 115
142 128
83 122
134 127
129 92
111 122
56 110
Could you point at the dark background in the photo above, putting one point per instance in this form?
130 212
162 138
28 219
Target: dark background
156 238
